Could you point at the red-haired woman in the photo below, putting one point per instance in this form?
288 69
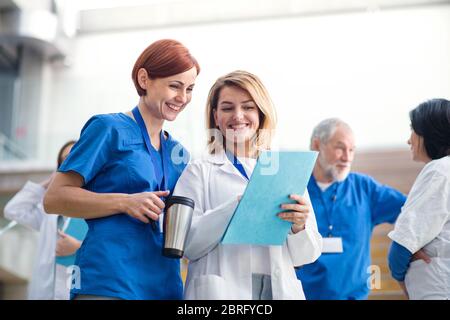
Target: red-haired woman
115 178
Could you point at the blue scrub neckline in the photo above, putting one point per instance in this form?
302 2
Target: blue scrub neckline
166 134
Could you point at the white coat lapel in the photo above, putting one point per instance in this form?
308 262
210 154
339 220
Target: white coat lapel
224 164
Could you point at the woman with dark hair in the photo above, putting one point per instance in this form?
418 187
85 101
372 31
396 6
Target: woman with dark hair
116 178
419 257
55 248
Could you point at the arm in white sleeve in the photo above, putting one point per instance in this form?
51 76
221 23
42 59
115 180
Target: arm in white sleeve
305 246
208 226
425 212
26 206
207 230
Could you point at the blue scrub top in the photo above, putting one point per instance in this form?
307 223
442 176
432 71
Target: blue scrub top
122 256
353 207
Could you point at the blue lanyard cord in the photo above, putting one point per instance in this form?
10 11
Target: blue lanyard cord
140 121
329 210
237 164
160 176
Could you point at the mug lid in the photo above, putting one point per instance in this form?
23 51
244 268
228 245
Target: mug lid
180 200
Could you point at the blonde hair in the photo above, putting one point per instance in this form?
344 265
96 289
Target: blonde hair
254 87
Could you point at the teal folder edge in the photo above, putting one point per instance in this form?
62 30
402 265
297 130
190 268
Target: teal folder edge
77 228
255 219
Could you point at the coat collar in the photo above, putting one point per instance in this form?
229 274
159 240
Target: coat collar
220 159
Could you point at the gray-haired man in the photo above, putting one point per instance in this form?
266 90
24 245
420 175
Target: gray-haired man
347 206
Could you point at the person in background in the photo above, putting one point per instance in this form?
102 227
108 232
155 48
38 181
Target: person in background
117 176
419 257
348 206
49 280
241 113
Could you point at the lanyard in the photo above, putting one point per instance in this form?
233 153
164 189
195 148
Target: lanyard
138 117
329 210
237 164
160 176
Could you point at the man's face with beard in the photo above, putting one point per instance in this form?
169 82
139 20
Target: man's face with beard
336 155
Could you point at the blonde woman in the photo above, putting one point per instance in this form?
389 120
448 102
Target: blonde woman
242 115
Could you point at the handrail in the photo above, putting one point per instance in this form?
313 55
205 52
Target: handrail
9 226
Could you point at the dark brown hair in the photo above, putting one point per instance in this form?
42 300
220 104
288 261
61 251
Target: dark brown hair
431 120
60 153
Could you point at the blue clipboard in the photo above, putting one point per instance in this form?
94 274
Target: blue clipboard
76 228
277 174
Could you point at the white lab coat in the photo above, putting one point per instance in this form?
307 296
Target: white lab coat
26 208
425 223
217 271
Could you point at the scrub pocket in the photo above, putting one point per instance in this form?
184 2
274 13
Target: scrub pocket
427 281
211 287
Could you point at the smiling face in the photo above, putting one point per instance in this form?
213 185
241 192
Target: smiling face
236 115
167 97
336 155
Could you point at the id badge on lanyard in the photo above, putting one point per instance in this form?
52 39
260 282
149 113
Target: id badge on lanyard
331 244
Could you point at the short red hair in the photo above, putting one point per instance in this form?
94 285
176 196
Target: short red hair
161 59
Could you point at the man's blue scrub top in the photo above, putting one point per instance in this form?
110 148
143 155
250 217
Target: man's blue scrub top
121 256
353 207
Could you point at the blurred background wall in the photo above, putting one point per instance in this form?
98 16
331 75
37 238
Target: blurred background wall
367 62
369 67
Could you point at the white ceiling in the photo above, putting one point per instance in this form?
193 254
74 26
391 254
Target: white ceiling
133 14
115 15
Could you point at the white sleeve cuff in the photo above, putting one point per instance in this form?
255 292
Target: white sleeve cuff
35 188
304 246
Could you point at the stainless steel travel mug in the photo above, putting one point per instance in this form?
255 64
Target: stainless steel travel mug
176 225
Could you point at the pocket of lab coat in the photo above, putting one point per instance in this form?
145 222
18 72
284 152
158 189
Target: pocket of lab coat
211 287
427 281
